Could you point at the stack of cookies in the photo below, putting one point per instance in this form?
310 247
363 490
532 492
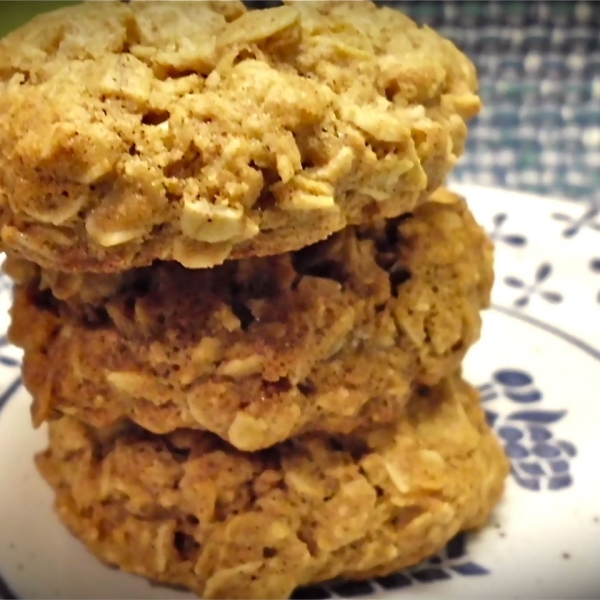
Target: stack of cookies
242 296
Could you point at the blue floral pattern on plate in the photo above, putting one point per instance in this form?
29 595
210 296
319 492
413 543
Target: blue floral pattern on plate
453 561
542 273
575 224
538 460
497 233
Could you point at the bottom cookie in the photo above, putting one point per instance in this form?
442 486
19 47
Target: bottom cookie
187 509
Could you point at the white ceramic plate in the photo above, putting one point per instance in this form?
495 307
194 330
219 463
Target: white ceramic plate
538 365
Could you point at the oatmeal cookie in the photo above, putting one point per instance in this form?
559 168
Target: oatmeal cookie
261 349
188 510
200 131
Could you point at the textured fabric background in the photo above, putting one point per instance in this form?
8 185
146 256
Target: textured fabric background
539 67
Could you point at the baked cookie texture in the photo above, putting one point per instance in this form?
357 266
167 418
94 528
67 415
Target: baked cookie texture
188 510
329 338
200 131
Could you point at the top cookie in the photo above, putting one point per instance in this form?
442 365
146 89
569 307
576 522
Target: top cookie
201 131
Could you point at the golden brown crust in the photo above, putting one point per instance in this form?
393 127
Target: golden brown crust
186 509
328 338
220 134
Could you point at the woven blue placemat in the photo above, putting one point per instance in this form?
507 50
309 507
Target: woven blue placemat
539 70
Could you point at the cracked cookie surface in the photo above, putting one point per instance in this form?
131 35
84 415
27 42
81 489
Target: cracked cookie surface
200 131
328 338
188 510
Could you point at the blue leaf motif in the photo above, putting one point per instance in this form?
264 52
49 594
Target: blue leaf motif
524 397
394 581
516 451
559 466
559 482
491 417
9 391
489 395
539 434
521 302
515 240
531 469
571 231
469 569
311 593
9 362
529 483
352 589
538 416
456 547
510 434
546 451
513 377
568 448
499 219
514 282
431 574
553 297
543 272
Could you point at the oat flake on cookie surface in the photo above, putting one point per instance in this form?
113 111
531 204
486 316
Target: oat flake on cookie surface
202 131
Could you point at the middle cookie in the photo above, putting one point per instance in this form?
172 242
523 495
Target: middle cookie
328 338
